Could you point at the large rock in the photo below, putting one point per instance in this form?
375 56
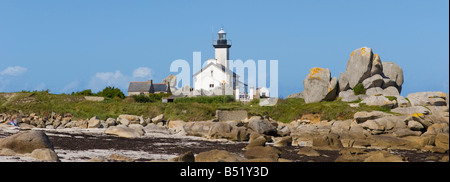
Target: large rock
123 131
387 82
383 156
45 154
426 122
391 91
327 142
442 140
267 153
374 91
415 126
282 141
377 66
225 130
308 151
363 116
394 72
384 141
379 101
262 127
319 86
218 156
152 128
94 122
348 96
428 99
402 102
373 81
437 128
359 66
26 142
411 110
138 128
341 128
128 117
343 82
198 128
373 126
157 119
177 126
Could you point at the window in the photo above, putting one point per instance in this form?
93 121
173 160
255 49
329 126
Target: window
212 73
211 85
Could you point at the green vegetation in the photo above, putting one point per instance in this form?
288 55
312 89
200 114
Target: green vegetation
391 98
150 98
359 89
108 92
188 109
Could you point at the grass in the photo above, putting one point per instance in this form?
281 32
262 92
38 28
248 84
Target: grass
187 109
391 98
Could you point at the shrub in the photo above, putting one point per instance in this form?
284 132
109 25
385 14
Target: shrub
141 98
359 89
87 92
150 98
111 92
391 98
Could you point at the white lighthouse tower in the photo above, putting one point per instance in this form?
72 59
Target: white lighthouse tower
216 78
222 48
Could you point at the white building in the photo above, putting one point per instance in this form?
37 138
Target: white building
216 77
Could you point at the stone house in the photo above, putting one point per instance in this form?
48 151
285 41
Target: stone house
147 87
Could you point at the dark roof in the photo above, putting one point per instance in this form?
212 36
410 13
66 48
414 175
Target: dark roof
160 87
139 87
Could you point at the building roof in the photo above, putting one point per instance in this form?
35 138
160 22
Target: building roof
139 87
160 87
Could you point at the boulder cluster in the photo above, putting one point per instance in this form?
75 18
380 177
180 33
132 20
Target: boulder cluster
35 144
365 78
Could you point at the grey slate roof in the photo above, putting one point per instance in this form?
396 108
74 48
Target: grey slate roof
160 87
139 87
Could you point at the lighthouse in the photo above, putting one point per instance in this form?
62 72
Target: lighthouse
222 48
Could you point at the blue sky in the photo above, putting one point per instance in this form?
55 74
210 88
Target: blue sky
70 46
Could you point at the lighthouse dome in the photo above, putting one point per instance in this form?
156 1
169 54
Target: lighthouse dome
221 31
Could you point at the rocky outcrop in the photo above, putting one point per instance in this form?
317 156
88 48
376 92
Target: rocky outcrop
380 101
35 144
227 131
394 72
26 142
124 131
319 86
262 126
218 156
366 68
363 68
359 66
262 154
428 99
